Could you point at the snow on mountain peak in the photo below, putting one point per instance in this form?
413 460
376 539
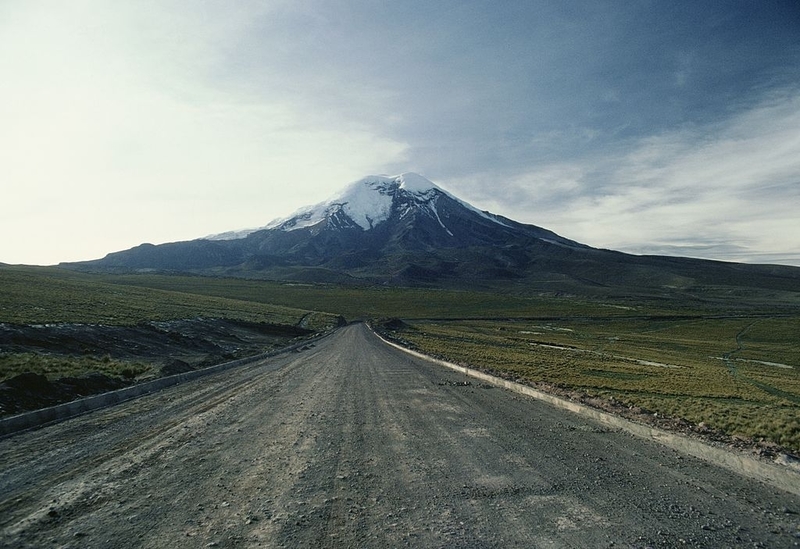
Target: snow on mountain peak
362 203
415 183
409 181
365 203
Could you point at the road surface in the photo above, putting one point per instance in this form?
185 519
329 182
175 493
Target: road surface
351 443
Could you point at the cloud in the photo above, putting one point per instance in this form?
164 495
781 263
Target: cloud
112 135
209 116
723 191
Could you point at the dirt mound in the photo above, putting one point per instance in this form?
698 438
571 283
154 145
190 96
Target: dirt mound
29 391
394 324
177 366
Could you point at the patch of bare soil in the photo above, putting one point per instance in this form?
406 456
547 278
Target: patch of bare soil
171 347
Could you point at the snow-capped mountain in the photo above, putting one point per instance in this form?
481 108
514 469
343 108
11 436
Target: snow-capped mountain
366 203
405 229
379 228
369 202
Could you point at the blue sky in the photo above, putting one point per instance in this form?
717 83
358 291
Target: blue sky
643 126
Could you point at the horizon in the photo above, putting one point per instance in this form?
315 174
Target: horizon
242 232
647 128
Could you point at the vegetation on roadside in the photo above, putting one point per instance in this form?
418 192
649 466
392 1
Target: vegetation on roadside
54 367
41 296
739 376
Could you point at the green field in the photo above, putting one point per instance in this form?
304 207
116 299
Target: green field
731 364
370 302
32 295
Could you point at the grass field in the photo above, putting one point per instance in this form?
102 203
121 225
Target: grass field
32 295
362 303
732 365
42 296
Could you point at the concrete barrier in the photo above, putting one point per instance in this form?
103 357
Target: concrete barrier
775 474
60 412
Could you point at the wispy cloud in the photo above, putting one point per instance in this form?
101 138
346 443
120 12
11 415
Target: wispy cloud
723 191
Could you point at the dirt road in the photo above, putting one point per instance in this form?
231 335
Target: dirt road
353 444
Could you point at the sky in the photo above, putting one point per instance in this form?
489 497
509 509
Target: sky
646 126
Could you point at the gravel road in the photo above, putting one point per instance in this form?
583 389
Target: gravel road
352 443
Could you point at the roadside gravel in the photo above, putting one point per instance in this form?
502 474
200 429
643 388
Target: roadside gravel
352 443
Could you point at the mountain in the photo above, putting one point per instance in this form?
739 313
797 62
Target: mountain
405 230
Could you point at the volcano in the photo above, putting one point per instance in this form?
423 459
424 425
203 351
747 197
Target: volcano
406 230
